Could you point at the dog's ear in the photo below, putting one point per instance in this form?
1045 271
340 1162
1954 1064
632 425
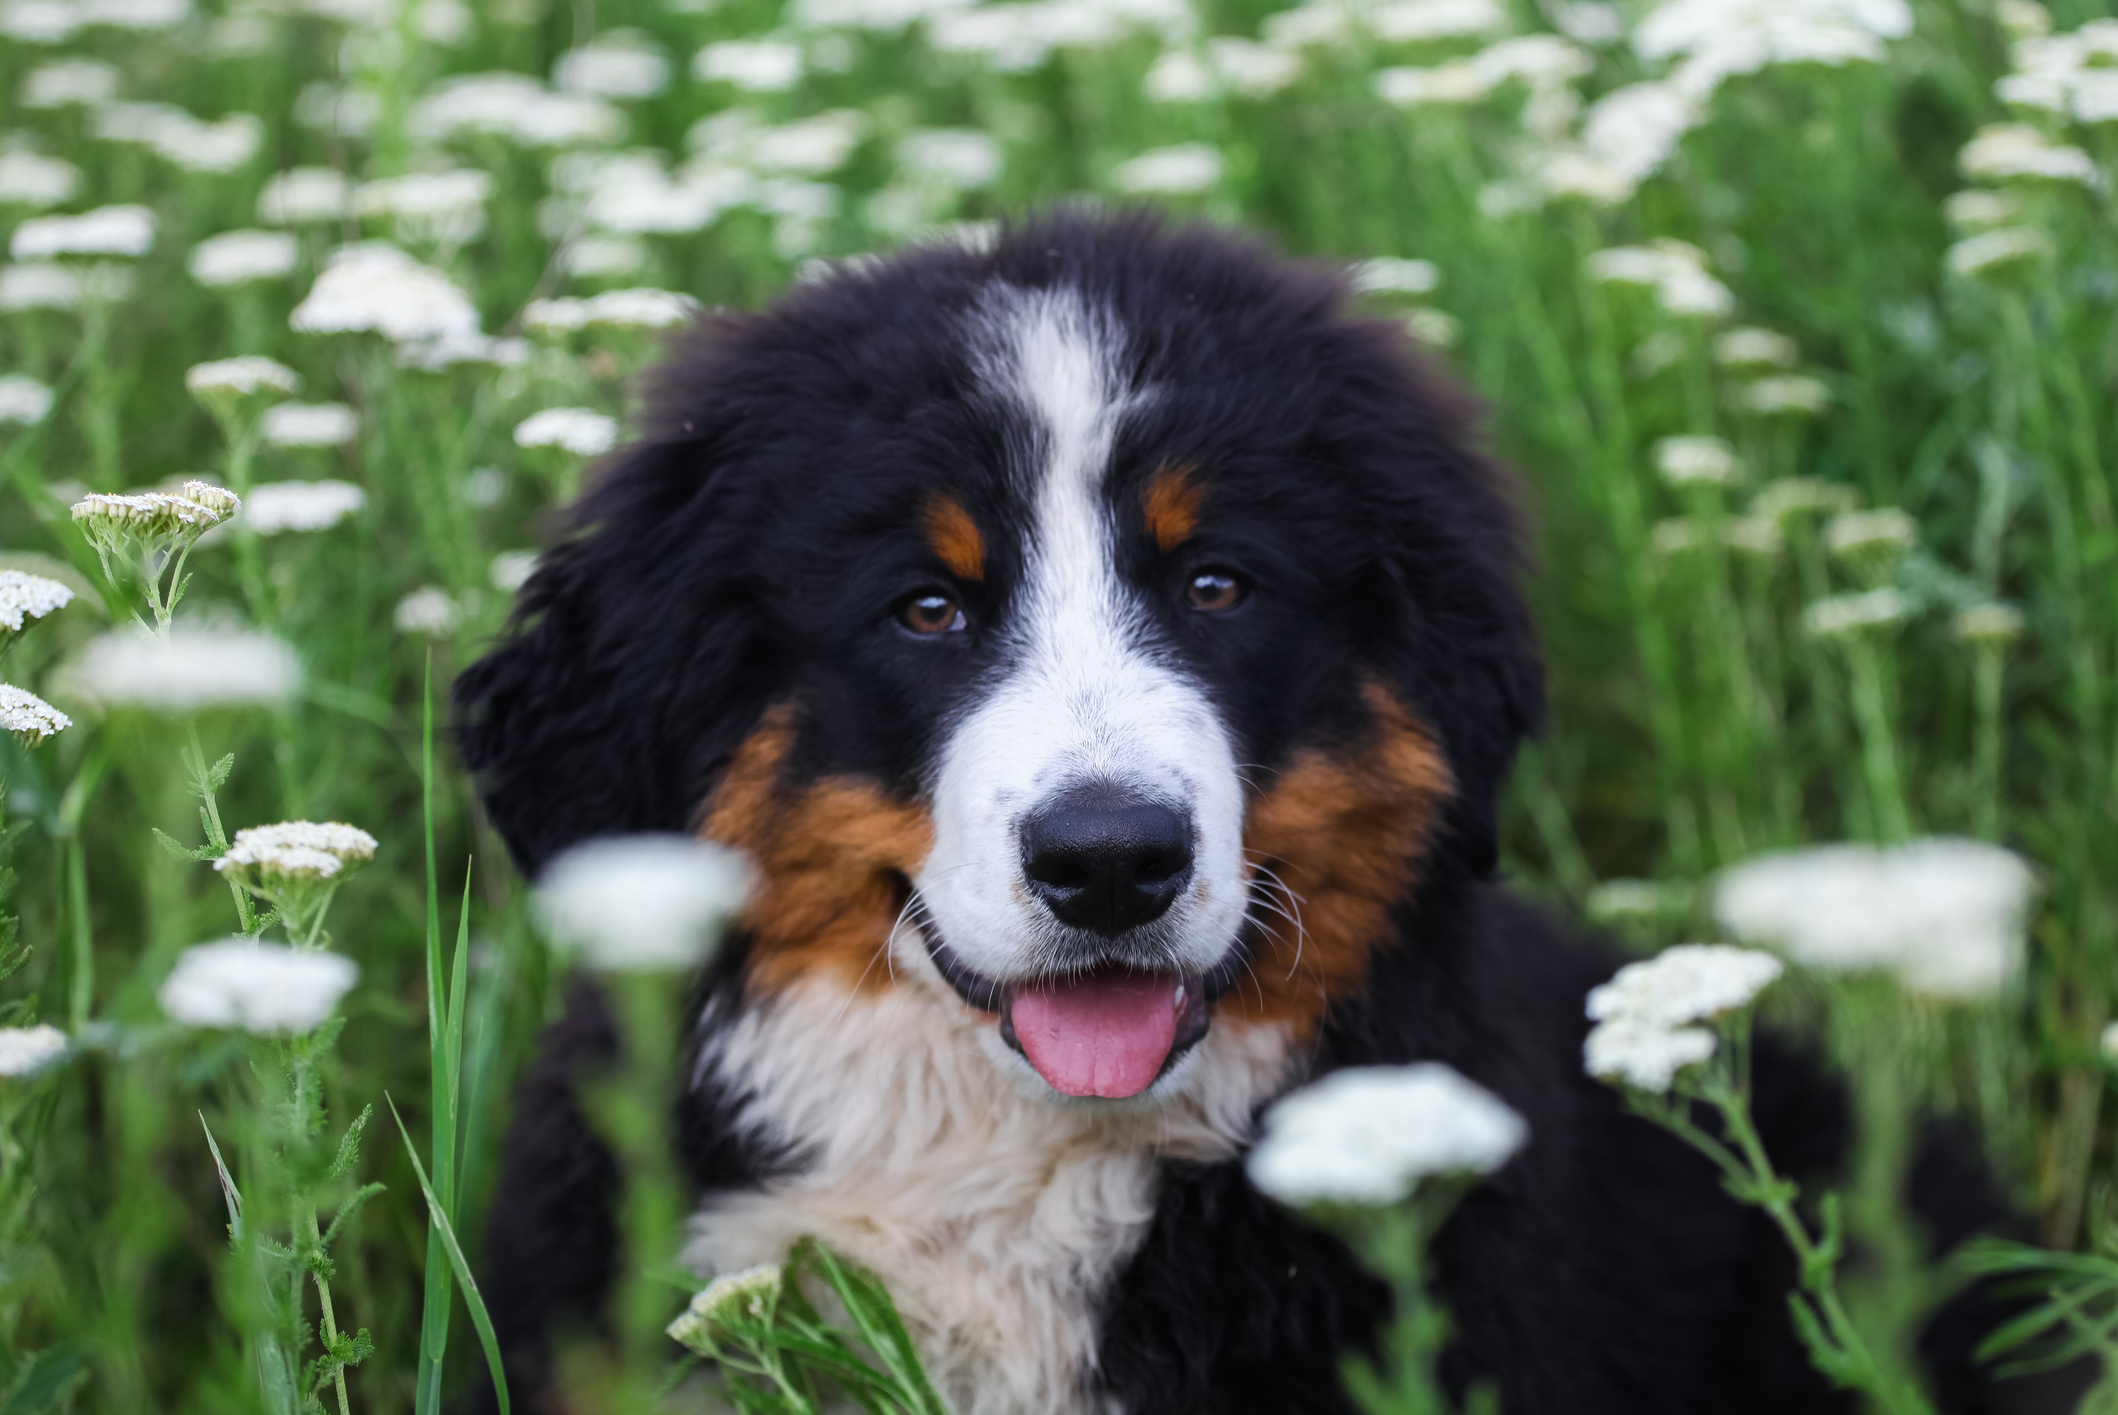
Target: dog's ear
1450 628
631 667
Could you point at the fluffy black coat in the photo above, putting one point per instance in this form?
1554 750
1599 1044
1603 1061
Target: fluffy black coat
730 560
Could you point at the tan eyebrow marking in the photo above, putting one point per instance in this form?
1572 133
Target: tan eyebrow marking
1172 500
955 538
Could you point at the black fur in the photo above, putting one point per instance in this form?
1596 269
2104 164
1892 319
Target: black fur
745 552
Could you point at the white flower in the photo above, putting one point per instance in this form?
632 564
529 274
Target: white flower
460 350
2108 1042
310 425
639 308
1801 496
375 286
747 1296
1688 983
135 14
515 107
1184 168
1616 899
429 206
306 849
29 717
594 257
39 285
1674 270
40 21
1786 393
23 399
198 146
756 65
34 180
24 1051
1396 276
1458 82
108 230
642 902
962 159
234 257
580 431
300 196
65 83
1987 249
485 486
1979 210
277 506
1370 1134
429 610
1438 328
615 64
28 596
1252 70
1987 624
194 668
1858 534
1946 915
156 520
2005 150
1697 461
1642 1054
512 569
1411 21
256 987
251 373
1180 76
1842 616
1635 129
1755 348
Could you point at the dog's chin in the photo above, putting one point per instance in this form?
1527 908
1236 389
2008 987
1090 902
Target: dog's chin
1108 1033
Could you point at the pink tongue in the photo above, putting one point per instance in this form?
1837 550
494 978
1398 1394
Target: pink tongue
1106 1034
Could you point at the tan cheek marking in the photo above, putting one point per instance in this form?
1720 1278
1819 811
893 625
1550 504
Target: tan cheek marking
955 538
1345 831
1172 501
829 858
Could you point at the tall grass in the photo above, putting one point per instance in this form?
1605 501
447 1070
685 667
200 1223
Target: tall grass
1718 691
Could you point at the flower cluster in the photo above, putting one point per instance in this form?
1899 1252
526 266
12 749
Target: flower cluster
256 987
1646 1015
645 903
1369 1135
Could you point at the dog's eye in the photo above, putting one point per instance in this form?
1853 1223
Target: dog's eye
930 614
1216 591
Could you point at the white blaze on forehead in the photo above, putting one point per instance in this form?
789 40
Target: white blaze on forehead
1087 694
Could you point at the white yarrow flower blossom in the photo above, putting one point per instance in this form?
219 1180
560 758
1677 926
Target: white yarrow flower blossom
193 669
28 717
2001 151
67 83
581 431
24 596
250 373
23 399
277 506
1411 21
236 257
1697 461
615 64
1976 254
106 231
198 146
1688 983
1642 1054
755 65
961 159
1396 276
747 1296
1785 393
31 179
639 308
603 257
1857 534
375 286
24 1051
1979 210
310 425
1170 171
256 987
1755 348
1370 1134
512 568
429 610
301 196
309 848
1844 615
1946 915
1181 76
1992 623
642 903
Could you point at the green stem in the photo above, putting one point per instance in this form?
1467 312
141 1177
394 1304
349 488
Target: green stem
323 1298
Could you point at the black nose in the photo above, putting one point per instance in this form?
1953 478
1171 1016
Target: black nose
1106 862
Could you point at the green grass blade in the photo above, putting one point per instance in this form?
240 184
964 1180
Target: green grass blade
446 1231
434 1315
452 1047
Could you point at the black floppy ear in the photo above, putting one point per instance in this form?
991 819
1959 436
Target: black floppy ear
1451 630
631 666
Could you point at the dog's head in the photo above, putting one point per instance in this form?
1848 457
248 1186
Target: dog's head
1103 626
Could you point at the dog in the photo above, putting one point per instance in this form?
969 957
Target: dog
1109 648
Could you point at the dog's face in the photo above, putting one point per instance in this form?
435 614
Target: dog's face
1103 630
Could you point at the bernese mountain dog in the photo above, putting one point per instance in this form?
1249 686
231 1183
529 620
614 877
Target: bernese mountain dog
1108 648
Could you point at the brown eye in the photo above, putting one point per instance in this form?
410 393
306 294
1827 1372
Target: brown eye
930 614
1215 591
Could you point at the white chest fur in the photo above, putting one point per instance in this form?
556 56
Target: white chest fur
996 1212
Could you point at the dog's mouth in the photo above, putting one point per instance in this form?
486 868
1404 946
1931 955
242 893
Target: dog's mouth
1110 1030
